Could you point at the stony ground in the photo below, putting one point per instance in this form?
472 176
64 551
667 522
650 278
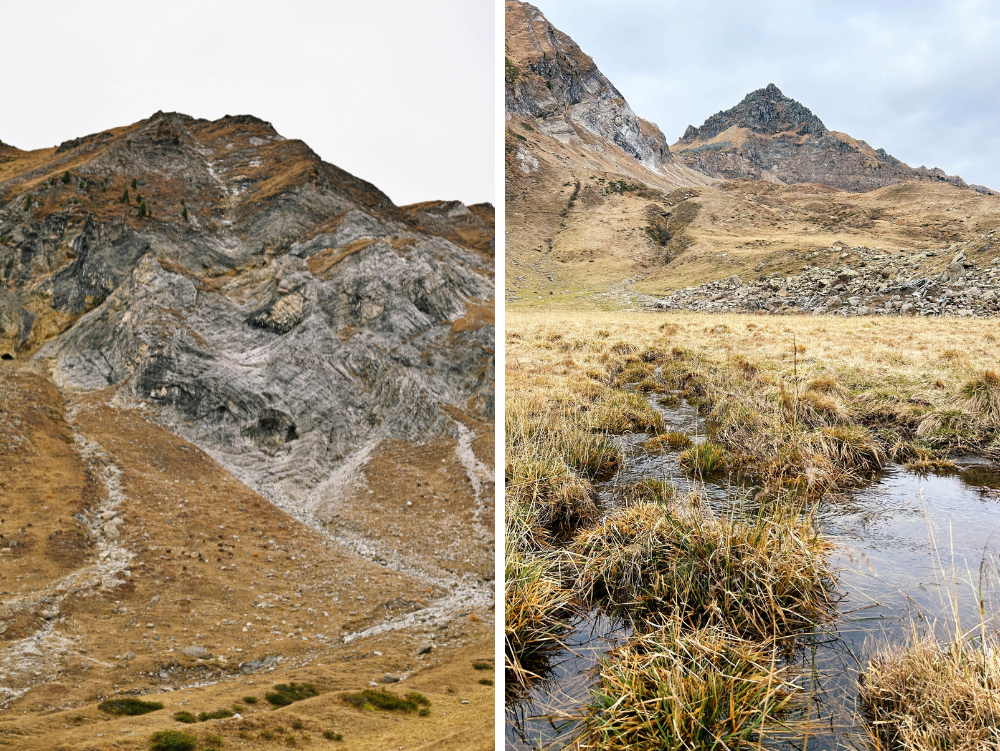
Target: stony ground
132 564
866 282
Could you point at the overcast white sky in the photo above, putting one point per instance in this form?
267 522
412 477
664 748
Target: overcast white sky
399 93
920 79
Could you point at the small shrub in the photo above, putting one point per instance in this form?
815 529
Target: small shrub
285 694
129 706
27 203
177 141
332 736
267 735
125 198
250 699
426 712
297 724
142 209
418 698
172 740
237 707
218 714
184 213
482 665
212 740
66 178
485 682
370 699
135 184
185 717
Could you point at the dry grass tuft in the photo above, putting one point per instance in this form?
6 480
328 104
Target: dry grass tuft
680 690
924 696
982 395
762 575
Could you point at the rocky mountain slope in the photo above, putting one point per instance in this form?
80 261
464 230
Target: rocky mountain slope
769 136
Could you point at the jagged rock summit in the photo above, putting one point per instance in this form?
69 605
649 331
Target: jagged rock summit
557 90
270 307
769 136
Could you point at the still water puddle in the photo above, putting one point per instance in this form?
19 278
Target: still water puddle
910 551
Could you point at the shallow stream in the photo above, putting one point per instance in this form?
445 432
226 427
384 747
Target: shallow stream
909 550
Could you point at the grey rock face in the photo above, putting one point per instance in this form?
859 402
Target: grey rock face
563 88
292 323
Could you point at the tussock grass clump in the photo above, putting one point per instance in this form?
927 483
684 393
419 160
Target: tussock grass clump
672 440
286 693
172 740
758 575
625 412
923 696
982 395
852 446
683 691
185 717
647 490
549 493
371 699
535 606
704 460
129 706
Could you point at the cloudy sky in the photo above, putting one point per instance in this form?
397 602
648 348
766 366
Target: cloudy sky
399 93
920 79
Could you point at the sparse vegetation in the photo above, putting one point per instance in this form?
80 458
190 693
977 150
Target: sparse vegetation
482 665
129 706
284 694
330 735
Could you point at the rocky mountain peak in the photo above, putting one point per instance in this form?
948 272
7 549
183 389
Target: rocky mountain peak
765 111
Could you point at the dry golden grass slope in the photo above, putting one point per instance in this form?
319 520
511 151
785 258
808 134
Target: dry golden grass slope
122 544
597 206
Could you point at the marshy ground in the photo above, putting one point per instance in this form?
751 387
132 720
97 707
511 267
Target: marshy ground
830 518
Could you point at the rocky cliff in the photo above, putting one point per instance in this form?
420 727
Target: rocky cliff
769 136
272 308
